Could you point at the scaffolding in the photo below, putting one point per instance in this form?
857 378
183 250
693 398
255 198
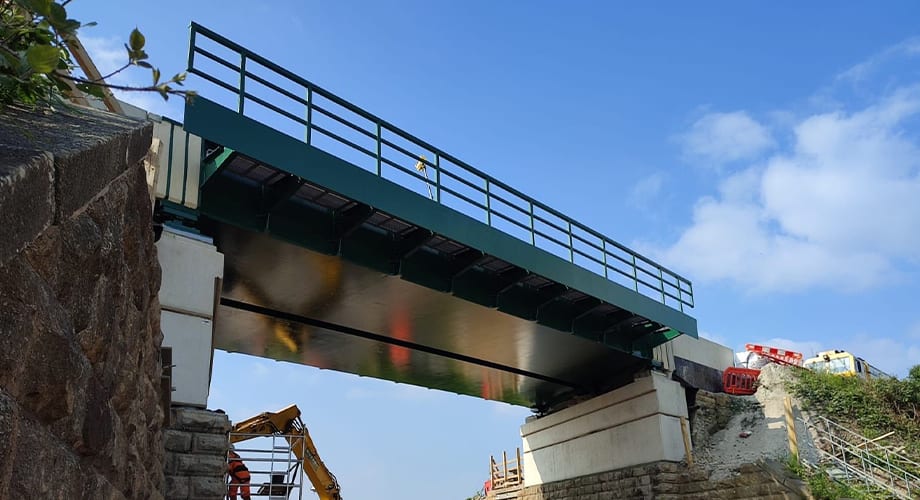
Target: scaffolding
273 464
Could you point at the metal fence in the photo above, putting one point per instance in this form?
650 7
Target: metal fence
854 457
266 92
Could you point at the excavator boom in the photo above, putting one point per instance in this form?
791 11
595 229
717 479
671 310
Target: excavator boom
287 422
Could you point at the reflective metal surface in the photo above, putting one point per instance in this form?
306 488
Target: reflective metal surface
338 315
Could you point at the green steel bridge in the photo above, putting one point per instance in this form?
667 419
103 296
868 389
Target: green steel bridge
353 245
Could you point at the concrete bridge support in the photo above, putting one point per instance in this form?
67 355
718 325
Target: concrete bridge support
636 424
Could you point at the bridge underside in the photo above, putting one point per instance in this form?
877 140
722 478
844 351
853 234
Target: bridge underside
332 266
288 303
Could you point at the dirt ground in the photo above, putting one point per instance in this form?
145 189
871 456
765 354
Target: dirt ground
762 416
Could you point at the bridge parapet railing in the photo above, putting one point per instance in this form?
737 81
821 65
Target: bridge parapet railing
266 92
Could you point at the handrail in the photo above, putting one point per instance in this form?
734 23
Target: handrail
863 458
507 472
574 241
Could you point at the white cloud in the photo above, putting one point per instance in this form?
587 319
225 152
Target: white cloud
914 331
859 72
647 188
840 208
890 355
109 54
719 138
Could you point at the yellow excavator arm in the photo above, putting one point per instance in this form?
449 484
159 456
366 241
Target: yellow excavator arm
287 422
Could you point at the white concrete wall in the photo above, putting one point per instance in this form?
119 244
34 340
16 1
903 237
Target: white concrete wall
191 269
702 351
636 424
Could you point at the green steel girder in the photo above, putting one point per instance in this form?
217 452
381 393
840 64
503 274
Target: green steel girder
350 219
256 140
483 287
214 165
591 325
369 248
645 343
276 194
435 271
410 243
561 314
525 302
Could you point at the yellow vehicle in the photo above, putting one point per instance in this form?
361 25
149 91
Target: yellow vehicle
287 423
843 363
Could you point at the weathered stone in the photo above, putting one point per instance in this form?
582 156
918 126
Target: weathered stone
54 369
215 444
200 464
26 198
8 419
79 316
193 419
99 426
174 440
207 487
177 487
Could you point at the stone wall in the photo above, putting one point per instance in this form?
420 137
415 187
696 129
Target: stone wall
671 481
196 454
79 317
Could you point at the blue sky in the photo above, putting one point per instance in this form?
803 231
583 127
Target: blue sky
767 151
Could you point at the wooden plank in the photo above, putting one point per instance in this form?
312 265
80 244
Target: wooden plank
92 73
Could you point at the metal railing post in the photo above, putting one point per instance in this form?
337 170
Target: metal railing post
242 81
661 284
309 114
191 49
635 273
533 235
680 297
379 152
571 245
437 176
488 205
604 252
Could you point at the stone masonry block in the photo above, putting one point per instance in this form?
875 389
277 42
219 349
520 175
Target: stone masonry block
207 487
200 465
214 444
174 440
90 148
193 419
177 487
26 198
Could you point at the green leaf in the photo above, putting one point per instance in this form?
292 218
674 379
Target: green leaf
43 58
144 64
136 40
156 76
57 14
93 90
41 7
89 24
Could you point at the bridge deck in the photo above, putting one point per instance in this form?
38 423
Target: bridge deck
339 255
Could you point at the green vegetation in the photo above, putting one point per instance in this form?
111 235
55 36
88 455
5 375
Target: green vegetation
871 408
36 63
823 487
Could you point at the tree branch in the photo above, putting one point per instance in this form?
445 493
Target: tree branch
151 88
119 70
